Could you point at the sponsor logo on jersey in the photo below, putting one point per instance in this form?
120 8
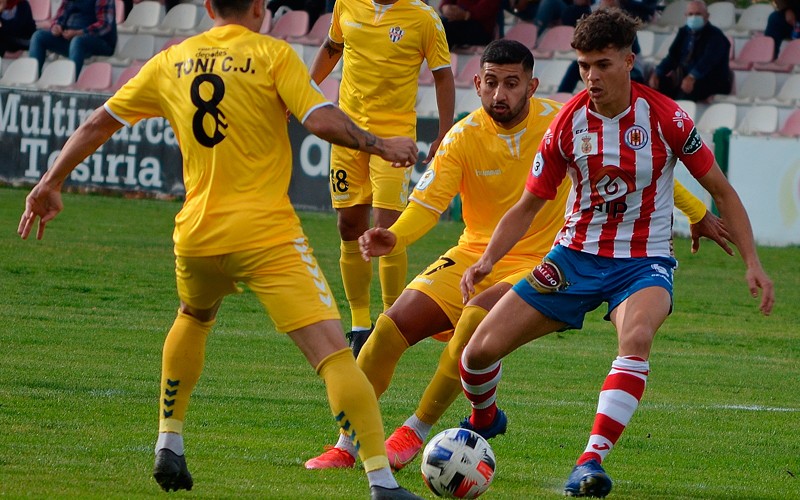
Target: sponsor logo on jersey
426 179
680 116
547 277
636 137
396 33
693 143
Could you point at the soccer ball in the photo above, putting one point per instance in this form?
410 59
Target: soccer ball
458 463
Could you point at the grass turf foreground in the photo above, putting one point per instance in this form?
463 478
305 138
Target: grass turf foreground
85 311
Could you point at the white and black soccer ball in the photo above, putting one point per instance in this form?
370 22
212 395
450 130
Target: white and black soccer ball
458 463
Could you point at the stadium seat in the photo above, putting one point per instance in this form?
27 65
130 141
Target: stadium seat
145 14
138 47
127 74
464 78
756 84
752 19
95 76
647 44
689 106
204 23
759 48
663 47
788 94
467 100
426 106
317 34
717 115
41 12
330 89
555 42
172 41
22 71
292 23
722 14
59 73
119 10
759 120
550 73
791 127
788 59
524 33
181 17
670 19
426 75
266 24
560 96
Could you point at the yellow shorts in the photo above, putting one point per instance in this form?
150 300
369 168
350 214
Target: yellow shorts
286 279
441 281
359 178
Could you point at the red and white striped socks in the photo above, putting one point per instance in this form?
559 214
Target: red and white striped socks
619 398
480 388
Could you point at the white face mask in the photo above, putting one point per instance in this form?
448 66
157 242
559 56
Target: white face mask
694 23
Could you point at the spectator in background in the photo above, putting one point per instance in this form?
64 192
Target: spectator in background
696 66
469 22
16 25
544 13
81 29
784 23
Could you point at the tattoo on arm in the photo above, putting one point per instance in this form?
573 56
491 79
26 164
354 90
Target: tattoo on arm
332 48
357 138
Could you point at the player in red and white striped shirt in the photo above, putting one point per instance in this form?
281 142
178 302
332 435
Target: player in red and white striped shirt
619 142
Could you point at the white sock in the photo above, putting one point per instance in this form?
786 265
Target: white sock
346 444
421 428
171 441
383 478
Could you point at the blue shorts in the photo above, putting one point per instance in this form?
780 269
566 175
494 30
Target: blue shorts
569 284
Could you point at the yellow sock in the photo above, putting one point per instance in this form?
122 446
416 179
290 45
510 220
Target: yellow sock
181 365
392 270
445 386
380 354
355 407
356 277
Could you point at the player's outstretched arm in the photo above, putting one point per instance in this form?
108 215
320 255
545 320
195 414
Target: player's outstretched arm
330 123
328 55
741 234
44 200
508 232
446 104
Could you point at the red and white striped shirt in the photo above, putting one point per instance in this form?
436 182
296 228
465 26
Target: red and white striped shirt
621 170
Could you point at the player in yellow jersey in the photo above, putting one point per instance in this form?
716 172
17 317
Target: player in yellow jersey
383 44
486 158
225 91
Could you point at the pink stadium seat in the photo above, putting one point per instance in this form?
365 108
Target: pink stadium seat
292 23
524 33
330 89
464 78
557 39
426 76
127 74
95 76
560 96
317 34
41 12
759 48
266 24
172 41
791 127
787 59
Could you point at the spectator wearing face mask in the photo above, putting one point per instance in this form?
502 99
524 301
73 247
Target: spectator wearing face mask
696 66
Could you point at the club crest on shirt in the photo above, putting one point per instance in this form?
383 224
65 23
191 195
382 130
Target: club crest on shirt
396 33
680 116
426 179
693 143
585 144
636 137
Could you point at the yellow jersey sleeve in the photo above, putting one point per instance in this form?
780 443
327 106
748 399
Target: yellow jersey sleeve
689 204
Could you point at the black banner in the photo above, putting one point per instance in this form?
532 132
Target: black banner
142 159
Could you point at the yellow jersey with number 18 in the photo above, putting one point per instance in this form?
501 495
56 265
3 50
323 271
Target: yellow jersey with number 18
225 92
384 46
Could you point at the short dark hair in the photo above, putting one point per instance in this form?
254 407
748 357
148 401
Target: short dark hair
603 28
507 52
230 8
